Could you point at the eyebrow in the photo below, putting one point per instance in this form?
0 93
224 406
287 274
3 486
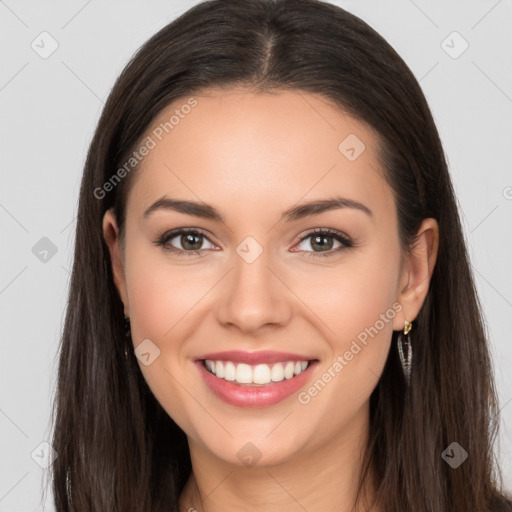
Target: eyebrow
207 211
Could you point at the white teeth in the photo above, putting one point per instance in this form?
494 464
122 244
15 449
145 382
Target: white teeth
229 371
261 374
288 370
277 373
219 369
257 374
243 373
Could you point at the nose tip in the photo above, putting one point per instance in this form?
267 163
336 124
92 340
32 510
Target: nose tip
253 298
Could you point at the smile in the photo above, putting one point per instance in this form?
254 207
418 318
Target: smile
255 374
255 379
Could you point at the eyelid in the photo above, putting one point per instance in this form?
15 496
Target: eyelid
345 241
164 239
325 231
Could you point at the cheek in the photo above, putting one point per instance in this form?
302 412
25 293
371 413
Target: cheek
160 292
356 303
359 316
162 300
353 295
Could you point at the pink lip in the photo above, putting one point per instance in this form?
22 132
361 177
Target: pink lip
264 356
243 395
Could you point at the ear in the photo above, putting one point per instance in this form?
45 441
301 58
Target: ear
416 272
111 236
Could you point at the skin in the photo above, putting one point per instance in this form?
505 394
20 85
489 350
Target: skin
252 156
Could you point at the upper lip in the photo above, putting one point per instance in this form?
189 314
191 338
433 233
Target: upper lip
265 356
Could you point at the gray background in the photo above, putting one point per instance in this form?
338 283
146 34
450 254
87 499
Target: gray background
51 105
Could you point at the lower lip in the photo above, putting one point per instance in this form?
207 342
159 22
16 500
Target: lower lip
244 395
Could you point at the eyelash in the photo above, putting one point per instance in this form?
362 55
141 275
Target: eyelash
346 242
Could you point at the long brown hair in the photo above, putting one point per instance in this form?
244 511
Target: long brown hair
118 450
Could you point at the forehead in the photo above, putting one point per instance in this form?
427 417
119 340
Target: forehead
238 147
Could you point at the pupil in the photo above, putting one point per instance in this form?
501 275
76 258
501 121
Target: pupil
188 239
322 245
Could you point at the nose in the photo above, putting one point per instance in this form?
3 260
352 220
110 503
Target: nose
254 297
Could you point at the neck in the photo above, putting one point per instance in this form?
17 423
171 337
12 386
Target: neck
324 477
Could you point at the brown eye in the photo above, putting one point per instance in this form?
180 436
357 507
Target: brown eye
184 241
322 242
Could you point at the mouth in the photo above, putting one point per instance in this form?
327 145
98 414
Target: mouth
257 379
255 375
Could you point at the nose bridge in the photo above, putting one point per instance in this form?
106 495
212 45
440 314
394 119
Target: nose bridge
253 296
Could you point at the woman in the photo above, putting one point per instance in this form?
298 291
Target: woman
271 305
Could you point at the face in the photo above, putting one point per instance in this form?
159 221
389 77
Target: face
326 287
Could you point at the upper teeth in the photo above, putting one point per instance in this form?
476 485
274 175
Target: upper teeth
257 374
